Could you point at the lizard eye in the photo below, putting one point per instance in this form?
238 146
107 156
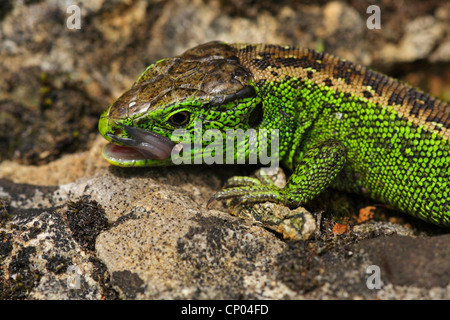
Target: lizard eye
256 116
179 119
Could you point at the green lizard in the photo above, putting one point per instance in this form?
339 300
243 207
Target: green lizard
340 125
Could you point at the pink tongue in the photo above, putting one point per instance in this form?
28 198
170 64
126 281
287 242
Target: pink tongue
113 151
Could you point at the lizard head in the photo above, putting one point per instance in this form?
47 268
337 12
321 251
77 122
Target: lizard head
205 84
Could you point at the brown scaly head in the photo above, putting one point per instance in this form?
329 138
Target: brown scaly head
206 83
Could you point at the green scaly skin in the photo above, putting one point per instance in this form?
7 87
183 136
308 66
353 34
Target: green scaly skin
340 124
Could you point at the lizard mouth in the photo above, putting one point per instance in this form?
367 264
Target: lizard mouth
142 145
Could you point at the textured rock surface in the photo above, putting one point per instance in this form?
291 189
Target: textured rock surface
72 227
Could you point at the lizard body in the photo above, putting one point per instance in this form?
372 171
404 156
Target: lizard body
340 124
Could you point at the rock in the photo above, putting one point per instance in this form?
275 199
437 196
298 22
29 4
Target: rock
425 267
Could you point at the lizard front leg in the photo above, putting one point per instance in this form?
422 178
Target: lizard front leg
317 169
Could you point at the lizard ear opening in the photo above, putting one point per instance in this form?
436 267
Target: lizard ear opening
256 116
